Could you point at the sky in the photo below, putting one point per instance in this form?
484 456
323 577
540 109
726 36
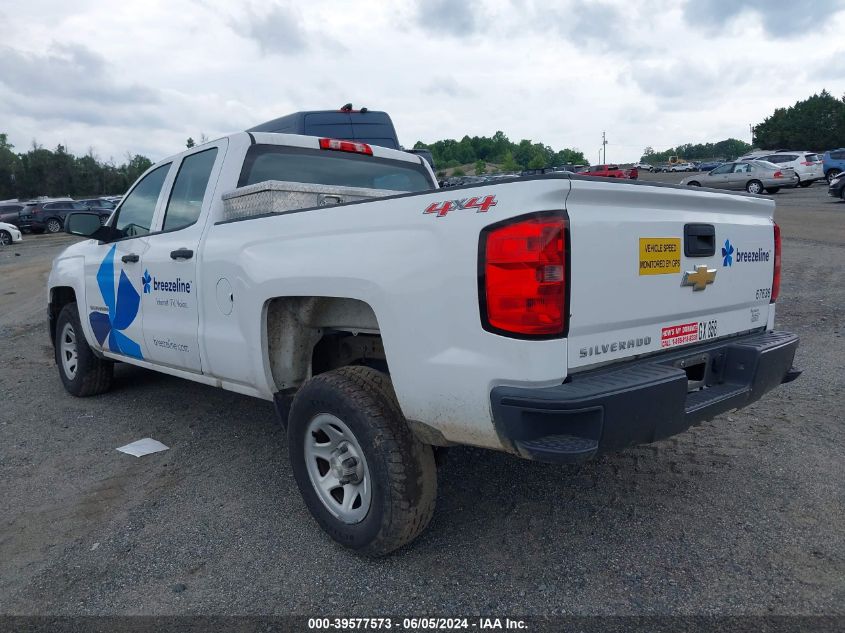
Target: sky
140 77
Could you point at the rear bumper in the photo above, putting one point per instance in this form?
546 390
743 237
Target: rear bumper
30 223
643 401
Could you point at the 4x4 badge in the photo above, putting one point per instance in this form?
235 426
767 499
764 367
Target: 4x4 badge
699 278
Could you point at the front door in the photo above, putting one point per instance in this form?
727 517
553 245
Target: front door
113 271
171 304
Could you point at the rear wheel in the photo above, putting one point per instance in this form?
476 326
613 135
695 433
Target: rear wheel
833 173
5 238
754 186
53 225
805 183
82 373
364 476
772 189
693 183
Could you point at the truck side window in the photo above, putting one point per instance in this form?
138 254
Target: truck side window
135 215
185 204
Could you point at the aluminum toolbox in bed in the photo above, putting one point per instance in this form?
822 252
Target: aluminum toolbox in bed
276 196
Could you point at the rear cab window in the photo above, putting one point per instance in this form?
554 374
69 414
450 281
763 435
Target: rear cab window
324 167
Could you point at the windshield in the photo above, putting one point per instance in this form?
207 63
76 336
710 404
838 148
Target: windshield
326 167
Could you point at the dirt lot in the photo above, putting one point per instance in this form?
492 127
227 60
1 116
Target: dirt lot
742 515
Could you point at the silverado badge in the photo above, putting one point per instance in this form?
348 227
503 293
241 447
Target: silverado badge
699 278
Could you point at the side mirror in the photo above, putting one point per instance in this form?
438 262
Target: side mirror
82 223
88 224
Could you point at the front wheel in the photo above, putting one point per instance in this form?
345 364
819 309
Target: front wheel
53 225
831 175
754 186
694 183
5 238
82 373
772 189
364 476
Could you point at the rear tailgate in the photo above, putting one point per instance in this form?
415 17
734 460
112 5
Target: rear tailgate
628 293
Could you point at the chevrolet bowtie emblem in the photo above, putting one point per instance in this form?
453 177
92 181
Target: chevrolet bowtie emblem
699 278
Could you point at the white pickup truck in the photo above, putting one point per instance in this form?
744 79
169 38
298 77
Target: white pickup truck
553 317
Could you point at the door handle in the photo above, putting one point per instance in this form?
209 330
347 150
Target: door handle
131 258
181 253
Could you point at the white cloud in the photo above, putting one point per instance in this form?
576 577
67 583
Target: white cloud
141 77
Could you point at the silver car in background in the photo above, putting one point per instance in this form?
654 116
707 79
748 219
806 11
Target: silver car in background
753 176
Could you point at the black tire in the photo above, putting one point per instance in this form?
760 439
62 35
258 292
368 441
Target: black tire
805 183
693 183
92 375
831 174
772 189
402 471
754 186
5 238
53 225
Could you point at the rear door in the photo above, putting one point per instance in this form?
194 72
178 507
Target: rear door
170 285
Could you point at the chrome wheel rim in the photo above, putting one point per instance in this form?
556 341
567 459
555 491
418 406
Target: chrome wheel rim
337 468
754 188
68 351
53 226
5 238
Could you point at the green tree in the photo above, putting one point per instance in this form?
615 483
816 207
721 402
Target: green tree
9 168
817 123
480 167
537 162
508 162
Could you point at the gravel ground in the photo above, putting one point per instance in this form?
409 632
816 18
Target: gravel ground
742 515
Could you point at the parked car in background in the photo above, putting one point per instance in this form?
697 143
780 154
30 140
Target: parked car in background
98 203
837 186
682 167
755 176
609 171
709 165
807 165
365 126
50 216
9 234
644 167
10 212
833 163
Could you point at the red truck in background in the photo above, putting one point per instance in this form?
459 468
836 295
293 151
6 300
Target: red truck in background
610 171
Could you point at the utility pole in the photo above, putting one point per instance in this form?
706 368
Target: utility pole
604 146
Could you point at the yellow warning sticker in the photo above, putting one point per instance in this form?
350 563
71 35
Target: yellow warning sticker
660 255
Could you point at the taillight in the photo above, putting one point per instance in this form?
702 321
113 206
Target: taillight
776 274
522 286
778 174
346 146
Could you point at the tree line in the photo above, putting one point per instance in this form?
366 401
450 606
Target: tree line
44 172
816 124
728 149
498 149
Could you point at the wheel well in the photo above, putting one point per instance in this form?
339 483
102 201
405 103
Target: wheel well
311 335
60 296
